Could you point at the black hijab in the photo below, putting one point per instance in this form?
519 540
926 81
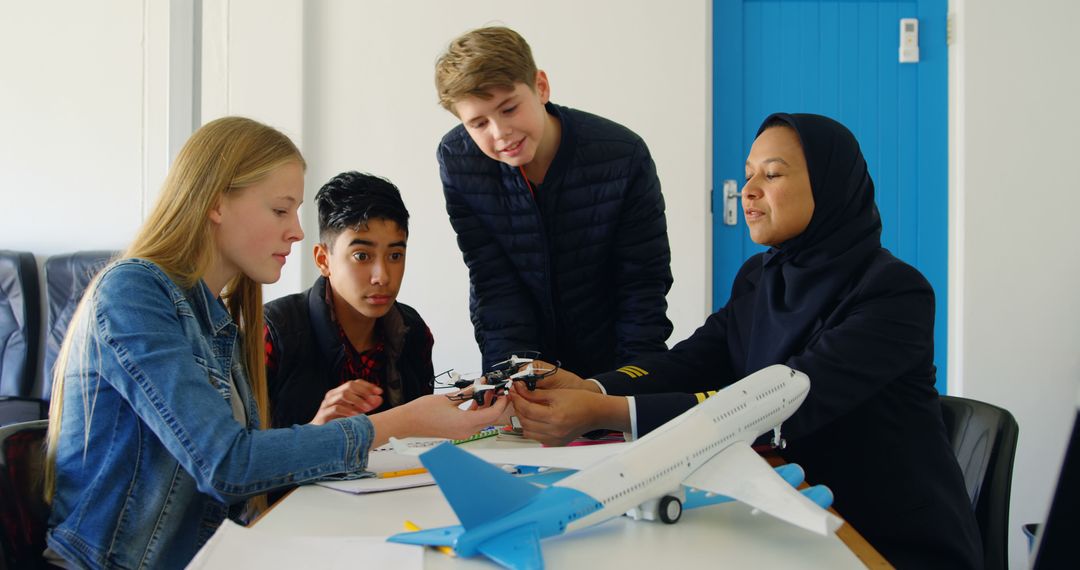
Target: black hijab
802 278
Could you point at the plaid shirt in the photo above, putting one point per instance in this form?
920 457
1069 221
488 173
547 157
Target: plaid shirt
369 365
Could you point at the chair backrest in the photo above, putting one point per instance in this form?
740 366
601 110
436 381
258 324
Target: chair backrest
983 437
1054 538
23 511
20 322
66 279
14 410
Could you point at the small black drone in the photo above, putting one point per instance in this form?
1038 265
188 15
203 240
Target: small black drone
498 378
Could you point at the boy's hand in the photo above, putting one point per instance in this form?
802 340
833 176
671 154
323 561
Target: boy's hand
351 398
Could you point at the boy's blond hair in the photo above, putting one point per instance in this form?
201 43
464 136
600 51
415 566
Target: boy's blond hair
485 58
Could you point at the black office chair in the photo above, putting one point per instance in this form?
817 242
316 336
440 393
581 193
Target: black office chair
20 322
24 514
1054 539
15 409
66 278
983 437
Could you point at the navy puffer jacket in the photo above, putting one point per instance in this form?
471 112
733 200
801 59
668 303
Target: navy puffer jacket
581 272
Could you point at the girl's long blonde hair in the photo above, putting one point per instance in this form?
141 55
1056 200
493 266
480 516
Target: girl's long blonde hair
221 157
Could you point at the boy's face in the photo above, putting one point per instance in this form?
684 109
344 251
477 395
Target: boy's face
365 267
510 126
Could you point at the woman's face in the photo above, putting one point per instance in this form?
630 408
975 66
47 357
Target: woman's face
777 199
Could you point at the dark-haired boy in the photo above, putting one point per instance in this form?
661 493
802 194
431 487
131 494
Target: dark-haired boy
558 214
346 346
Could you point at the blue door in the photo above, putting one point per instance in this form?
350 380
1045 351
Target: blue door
839 58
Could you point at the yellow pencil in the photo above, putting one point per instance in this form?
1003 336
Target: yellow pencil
409 525
402 473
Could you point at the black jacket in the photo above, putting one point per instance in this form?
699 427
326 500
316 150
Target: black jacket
871 427
309 355
581 272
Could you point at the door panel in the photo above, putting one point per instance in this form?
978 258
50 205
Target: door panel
840 58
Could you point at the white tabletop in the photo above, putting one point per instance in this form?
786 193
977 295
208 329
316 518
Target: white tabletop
726 535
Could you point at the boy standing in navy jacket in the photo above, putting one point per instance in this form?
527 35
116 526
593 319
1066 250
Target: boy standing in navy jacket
558 214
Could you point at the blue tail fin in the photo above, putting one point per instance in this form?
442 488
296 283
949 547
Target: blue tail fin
476 490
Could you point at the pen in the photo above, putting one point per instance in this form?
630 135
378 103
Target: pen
409 525
402 473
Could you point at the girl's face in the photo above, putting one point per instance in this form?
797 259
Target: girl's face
777 199
256 226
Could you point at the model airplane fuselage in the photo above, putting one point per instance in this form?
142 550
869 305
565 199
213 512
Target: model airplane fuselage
707 448
659 463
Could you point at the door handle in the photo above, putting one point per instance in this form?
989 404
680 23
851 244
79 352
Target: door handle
731 203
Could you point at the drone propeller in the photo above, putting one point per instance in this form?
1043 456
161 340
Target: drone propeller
499 379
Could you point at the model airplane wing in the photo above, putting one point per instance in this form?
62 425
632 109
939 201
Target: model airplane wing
574 457
517 548
740 473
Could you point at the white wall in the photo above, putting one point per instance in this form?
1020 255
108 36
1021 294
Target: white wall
73 117
1015 264
370 104
252 65
97 115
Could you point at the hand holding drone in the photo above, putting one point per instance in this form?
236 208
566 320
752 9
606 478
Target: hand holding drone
498 379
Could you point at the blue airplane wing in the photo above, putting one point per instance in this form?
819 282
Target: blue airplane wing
442 536
476 490
518 549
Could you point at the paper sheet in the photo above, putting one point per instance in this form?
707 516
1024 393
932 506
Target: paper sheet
378 485
383 460
234 546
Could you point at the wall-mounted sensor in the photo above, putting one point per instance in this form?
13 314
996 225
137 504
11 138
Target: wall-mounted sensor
909 40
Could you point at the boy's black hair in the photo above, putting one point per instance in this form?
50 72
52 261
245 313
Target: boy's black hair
350 199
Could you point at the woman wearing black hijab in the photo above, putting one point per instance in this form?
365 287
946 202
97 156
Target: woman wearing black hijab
828 300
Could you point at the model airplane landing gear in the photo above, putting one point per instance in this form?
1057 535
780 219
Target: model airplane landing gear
777 441
670 509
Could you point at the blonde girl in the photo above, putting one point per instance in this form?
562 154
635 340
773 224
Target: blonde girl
160 388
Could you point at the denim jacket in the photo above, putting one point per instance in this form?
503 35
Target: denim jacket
150 457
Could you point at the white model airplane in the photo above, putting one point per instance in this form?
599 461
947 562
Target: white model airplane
707 449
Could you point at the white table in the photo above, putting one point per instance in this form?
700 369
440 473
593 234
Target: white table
718 536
